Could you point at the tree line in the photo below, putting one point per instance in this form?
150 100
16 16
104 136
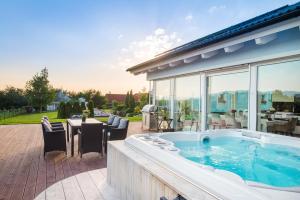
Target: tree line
130 107
39 93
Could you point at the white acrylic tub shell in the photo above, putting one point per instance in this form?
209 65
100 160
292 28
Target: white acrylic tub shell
219 183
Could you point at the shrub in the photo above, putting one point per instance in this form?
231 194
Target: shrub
76 108
29 109
68 109
82 105
86 113
114 105
61 114
137 110
91 108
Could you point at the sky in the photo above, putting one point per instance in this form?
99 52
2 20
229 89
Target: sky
90 43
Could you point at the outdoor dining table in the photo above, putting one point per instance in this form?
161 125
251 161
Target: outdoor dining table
74 125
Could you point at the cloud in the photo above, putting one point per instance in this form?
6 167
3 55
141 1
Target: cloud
188 18
214 9
159 31
139 51
120 36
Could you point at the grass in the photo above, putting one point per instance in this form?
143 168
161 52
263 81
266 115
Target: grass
35 118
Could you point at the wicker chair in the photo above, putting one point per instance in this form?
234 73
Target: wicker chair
54 139
116 133
110 119
90 138
120 132
53 125
284 128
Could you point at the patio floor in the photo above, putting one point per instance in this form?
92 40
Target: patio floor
24 173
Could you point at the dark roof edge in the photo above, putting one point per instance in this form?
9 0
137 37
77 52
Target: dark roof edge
272 17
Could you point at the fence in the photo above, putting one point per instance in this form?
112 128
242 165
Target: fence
5 114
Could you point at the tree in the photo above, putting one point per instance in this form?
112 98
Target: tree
61 114
77 108
114 104
131 102
82 105
127 100
144 100
98 99
68 109
12 97
91 108
39 91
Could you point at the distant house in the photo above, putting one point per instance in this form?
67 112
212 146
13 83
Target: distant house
60 97
120 98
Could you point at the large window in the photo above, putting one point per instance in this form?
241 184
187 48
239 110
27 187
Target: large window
187 103
151 92
227 101
278 102
163 96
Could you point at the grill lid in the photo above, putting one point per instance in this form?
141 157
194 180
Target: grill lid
149 108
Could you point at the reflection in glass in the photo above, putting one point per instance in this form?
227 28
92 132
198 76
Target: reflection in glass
227 101
163 95
187 103
151 92
278 102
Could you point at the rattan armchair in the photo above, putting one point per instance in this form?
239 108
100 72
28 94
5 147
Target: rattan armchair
54 139
90 138
120 132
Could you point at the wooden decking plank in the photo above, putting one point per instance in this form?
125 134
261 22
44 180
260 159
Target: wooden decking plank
29 191
66 168
41 181
59 174
100 181
22 176
50 169
5 142
24 172
71 189
17 162
88 187
56 192
41 196
7 147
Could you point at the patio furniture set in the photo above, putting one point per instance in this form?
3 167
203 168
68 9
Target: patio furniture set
92 134
227 121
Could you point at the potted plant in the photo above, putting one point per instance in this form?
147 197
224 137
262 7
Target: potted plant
85 114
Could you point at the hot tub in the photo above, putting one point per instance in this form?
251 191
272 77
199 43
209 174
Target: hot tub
229 164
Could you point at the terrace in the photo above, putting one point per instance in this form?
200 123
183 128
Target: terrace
25 174
225 109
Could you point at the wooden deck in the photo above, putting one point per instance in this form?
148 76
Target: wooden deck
24 173
89 185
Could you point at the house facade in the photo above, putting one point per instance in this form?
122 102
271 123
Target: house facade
245 76
59 97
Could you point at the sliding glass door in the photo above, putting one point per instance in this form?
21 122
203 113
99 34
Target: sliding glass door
163 97
187 103
278 98
227 100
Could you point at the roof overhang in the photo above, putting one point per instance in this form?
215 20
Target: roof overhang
260 36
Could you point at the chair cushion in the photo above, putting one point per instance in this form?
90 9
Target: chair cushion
45 121
110 119
116 121
123 123
47 127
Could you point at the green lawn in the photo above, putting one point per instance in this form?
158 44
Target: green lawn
36 118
